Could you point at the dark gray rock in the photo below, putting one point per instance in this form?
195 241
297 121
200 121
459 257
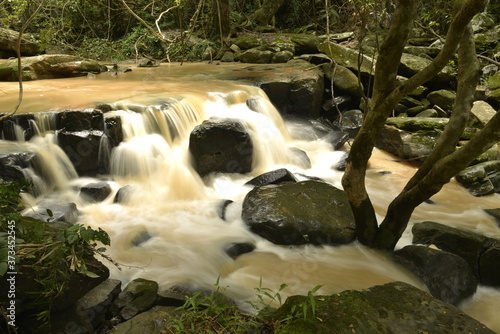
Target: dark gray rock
447 276
391 308
351 122
466 244
92 307
141 238
23 122
123 193
221 145
95 192
277 176
413 147
65 213
12 165
80 120
137 297
299 213
237 249
495 213
221 209
481 179
82 148
489 266
294 88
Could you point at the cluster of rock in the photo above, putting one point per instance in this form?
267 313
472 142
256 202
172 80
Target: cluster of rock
288 212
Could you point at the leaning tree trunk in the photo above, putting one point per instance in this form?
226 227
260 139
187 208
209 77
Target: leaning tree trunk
386 94
265 13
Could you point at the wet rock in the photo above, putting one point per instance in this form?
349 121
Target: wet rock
137 297
351 122
141 238
299 157
12 165
123 193
19 125
65 213
277 176
411 146
442 98
95 192
92 307
489 266
80 120
82 148
466 244
481 179
447 276
299 213
391 308
221 209
337 139
341 163
237 249
221 145
294 88
495 213
50 67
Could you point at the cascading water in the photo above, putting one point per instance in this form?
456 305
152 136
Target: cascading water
168 228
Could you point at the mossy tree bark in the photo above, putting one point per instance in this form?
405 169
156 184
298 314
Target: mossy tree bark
265 13
443 162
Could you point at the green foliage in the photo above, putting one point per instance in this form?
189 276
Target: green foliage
212 312
47 256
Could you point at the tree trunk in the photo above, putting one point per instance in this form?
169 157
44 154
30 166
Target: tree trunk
221 23
380 108
386 94
265 13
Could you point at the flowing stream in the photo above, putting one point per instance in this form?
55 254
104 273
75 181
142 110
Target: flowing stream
169 229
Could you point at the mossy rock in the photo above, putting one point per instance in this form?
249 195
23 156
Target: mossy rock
391 308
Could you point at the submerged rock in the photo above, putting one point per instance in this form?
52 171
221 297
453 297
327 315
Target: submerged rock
300 213
391 308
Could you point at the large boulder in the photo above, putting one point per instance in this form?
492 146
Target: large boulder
447 276
8 44
348 57
49 67
306 212
221 145
82 148
391 308
294 88
474 248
